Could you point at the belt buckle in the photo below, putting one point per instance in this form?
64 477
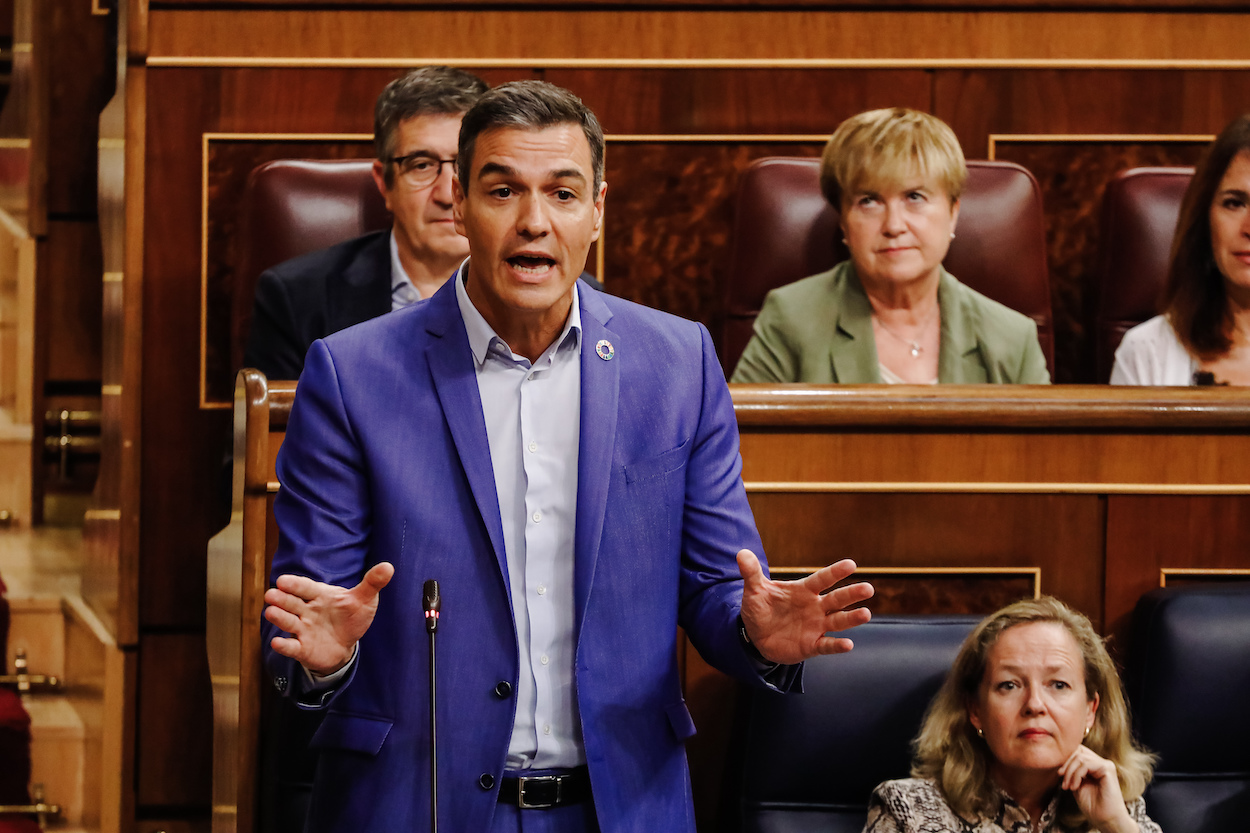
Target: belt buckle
540 802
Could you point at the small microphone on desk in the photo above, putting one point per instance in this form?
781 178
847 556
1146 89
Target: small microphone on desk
432 603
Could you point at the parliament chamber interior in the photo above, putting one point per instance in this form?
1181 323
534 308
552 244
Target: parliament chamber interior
157 156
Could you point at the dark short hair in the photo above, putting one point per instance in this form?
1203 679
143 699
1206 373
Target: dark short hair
421 92
529 105
1194 298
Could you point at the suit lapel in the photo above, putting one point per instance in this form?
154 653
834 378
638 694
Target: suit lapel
363 291
959 359
597 438
853 352
451 366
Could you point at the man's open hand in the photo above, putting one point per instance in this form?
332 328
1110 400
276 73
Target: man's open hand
787 620
325 621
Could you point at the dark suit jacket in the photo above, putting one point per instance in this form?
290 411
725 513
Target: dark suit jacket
386 458
311 296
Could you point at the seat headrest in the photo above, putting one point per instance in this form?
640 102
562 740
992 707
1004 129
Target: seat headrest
1189 674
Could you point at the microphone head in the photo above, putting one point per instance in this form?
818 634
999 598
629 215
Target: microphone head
430 600
432 603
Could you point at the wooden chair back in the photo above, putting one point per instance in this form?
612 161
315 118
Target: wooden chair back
238 573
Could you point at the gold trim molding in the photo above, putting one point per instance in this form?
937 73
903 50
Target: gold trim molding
243 62
1124 138
1200 572
611 138
989 572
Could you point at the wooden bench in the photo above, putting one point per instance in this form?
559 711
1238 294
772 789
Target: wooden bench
953 500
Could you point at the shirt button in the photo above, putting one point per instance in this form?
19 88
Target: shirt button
538 516
503 689
486 781
547 729
544 659
542 589
533 446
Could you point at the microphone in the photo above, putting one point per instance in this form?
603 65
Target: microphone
432 603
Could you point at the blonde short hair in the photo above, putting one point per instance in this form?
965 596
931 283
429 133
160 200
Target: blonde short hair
949 752
882 148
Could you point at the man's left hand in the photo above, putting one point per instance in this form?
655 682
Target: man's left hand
787 620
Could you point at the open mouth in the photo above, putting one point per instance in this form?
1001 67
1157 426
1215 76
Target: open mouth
531 264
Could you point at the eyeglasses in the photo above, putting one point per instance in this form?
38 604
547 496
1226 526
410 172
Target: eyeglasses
420 169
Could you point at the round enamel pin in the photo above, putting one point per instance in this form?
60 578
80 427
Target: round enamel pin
604 349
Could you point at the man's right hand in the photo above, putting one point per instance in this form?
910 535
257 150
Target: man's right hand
325 621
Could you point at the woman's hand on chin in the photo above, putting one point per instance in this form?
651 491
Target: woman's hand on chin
1096 786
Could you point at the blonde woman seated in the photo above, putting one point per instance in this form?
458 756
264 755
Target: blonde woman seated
891 313
1029 733
1203 335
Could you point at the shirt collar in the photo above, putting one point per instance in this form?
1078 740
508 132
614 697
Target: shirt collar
400 282
482 335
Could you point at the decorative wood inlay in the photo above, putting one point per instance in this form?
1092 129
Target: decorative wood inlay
1198 573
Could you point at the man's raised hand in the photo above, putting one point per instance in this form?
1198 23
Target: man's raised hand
787 620
325 621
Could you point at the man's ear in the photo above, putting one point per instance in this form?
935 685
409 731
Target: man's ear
457 205
379 179
603 190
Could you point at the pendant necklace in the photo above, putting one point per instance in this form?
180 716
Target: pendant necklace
914 346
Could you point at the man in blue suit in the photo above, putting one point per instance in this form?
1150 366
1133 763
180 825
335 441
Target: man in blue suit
566 465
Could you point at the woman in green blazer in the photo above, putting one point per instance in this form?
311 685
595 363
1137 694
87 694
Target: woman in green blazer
891 313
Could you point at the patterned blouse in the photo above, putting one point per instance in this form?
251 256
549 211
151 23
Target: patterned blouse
915 805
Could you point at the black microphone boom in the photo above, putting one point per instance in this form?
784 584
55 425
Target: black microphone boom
433 605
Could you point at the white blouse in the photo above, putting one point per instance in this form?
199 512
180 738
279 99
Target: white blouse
1151 354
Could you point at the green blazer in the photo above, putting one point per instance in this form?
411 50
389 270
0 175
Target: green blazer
819 330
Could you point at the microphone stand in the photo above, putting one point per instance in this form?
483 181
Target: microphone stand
432 603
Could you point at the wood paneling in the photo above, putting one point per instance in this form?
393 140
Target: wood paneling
378 35
752 101
1148 533
677 72
172 758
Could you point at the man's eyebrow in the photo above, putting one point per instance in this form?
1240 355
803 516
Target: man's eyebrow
569 173
495 168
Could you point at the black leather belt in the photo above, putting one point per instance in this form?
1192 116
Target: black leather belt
545 791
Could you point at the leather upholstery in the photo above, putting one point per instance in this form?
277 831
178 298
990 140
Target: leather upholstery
812 761
1188 675
784 230
292 207
1139 212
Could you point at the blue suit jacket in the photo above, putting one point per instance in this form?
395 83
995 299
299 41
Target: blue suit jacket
386 458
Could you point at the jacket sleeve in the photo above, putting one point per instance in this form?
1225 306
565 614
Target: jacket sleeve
323 508
717 522
274 345
1033 365
769 356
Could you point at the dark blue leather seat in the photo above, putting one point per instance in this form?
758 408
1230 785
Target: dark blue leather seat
812 760
1189 685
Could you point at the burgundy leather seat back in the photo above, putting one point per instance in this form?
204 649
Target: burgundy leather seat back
295 206
784 230
1139 213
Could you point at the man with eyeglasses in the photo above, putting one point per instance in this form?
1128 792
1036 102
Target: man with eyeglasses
416 126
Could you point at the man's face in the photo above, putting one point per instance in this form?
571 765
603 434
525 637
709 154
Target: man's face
530 212
423 213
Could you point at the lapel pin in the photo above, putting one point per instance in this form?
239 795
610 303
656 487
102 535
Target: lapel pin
604 349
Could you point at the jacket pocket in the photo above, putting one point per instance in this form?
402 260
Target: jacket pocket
352 733
681 721
669 461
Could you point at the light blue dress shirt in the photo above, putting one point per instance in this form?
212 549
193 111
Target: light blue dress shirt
403 290
533 417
